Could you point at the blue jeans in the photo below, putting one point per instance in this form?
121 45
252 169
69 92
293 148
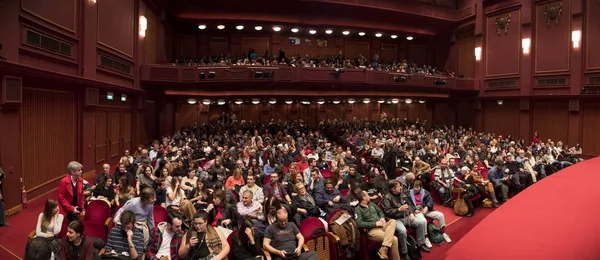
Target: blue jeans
420 224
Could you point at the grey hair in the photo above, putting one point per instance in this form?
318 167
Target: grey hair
410 176
74 166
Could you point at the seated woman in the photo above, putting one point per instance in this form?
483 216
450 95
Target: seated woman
305 204
187 210
244 243
75 246
484 186
49 225
272 205
467 182
220 212
174 194
145 179
189 182
235 180
203 241
125 191
199 195
104 189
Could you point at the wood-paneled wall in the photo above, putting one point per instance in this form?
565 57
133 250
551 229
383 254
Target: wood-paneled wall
48 125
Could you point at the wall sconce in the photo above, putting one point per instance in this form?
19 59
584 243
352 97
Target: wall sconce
110 96
123 97
500 102
92 1
526 44
477 53
191 101
143 26
576 38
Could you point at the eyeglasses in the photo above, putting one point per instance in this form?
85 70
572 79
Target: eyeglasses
199 223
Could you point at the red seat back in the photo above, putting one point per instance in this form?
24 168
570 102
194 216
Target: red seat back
94 229
97 211
344 193
267 179
309 225
333 214
230 242
160 214
327 173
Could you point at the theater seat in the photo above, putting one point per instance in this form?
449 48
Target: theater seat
327 174
160 214
230 242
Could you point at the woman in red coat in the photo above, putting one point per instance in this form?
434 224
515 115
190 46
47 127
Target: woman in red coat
70 193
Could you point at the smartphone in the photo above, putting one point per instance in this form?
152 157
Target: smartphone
194 234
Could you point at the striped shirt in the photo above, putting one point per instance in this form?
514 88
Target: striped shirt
117 241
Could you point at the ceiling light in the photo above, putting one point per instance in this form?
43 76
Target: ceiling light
191 101
351 101
239 102
312 31
328 31
381 101
289 102
321 102
366 101
306 102
255 101
346 32
410 38
272 101
295 30
258 27
361 34
202 26
336 101
239 27
378 34
206 102
394 36
408 101
276 28
220 27
221 102
395 101
422 101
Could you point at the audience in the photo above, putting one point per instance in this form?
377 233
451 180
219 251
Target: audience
49 225
38 248
126 239
203 241
369 216
76 246
283 239
165 239
3 223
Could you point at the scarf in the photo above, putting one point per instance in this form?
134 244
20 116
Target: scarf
412 197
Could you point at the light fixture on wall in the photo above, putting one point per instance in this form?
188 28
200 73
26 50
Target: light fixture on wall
328 31
378 35
202 26
346 32
239 27
393 36
576 38
123 97
276 28
295 30
110 96
238 102
220 27
408 101
381 101
273 101
422 101
191 101
258 27
320 101
221 102
206 102
351 101
289 102
312 31
526 44
255 101
143 26
336 102
366 101
477 53
92 1
361 34
500 102
409 38
395 101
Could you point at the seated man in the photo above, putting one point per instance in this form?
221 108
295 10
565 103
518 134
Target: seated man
443 183
38 248
370 217
396 206
316 182
275 188
280 239
249 208
166 238
421 201
330 198
126 239
498 176
257 192
143 208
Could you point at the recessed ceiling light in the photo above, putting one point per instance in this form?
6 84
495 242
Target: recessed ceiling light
351 101
276 28
239 27
295 30
395 101
328 31
381 101
272 101
221 102
378 34
408 101
206 102
366 101
289 102
336 101
410 38
258 28
394 36
220 27
312 31
191 101
239 101
346 32
321 102
255 101
361 33
202 26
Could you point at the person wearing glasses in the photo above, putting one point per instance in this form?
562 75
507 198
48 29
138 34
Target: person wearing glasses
203 242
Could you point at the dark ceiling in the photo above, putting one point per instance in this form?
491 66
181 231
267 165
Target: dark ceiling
306 13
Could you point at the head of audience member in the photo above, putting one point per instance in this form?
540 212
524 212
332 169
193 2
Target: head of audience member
219 198
75 231
237 173
329 186
122 168
106 168
371 177
250 180
363 197
417 186
186 207
200 221
351 169
282 217
161 184
314 174
274 178
75 169
395 187
148 196
127 221
50 210
247 198
300 189
272 204
38 248
248 227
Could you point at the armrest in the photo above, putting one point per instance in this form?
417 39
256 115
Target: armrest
107 222
31 234
333 237
305 247
102 251
458 190
267 254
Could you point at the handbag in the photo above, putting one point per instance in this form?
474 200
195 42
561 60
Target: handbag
460 206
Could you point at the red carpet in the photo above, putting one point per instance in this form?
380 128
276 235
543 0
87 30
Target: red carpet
553 219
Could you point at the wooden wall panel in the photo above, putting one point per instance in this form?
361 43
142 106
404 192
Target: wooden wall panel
101 148
335 111
218 45
501 120
259 44
416 111
440 114
116 25
502 50
553 40
186 115
551 120
62 14
465 114
362 110
417 54
466 55
390 110
48 137
591 37
150 42
351 49
591 123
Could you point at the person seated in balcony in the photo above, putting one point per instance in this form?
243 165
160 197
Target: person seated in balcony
422 202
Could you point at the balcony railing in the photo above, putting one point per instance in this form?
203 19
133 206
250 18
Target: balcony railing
202 75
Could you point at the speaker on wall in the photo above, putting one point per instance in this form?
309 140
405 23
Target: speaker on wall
92 97
524 104
12 91
574 105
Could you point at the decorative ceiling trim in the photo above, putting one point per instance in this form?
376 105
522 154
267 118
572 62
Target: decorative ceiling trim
503 23
552 13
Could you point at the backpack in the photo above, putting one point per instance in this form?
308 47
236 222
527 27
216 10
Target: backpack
413 248
434 234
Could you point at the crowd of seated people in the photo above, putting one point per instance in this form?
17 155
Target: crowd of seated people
264 180
359 61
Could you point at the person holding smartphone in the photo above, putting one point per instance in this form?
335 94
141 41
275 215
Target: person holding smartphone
70 192
203 242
